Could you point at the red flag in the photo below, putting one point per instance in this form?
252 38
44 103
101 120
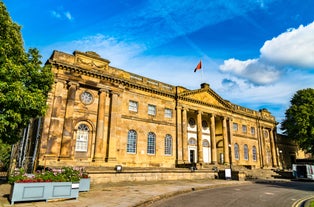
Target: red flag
198 67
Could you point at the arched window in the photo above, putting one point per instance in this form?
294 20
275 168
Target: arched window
205 143
192 141
246 152
254 153
151 142
132 140
236 151
82 138
168 144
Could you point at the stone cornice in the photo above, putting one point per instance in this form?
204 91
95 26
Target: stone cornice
109 78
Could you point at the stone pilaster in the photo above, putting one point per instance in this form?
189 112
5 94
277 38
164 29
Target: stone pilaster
67 134
113 127
262 147
179 138
273 148
99 143
184 136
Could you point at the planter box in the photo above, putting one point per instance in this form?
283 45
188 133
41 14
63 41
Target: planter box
43 191
84 184
30 192
64 190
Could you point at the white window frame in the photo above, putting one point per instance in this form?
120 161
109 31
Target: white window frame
246 152
82 138
168 145
132 142
151 143
168 113
236 151
133 106
254 153
151 110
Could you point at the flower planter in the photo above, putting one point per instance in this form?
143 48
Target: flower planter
63 190
84 184
30 192
43 191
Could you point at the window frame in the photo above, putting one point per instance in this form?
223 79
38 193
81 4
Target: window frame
244 128
236 151
151 143
82 138
168 144
246 152
254 153
168 113
235 127
252 130
131 142
151 110
133 108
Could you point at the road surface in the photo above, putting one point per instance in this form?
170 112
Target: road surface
275 194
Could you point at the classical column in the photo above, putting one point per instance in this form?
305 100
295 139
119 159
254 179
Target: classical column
199 137
184 136
273 148
225 140
99 144
262 147
213 139
113 125
68 121
230 130
179 138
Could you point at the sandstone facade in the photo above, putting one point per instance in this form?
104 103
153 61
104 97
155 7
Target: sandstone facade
100 115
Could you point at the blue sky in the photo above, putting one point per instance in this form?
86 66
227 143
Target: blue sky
255 53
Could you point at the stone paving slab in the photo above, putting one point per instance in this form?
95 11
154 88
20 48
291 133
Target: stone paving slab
124 194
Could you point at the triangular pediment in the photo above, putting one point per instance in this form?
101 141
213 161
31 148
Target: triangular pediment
207 96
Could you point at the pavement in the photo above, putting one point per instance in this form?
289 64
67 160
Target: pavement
123 194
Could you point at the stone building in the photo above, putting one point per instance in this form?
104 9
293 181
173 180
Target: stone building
100 115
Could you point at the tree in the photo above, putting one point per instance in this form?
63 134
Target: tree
298 124
24 83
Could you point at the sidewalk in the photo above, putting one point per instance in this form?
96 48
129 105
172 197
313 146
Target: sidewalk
125 194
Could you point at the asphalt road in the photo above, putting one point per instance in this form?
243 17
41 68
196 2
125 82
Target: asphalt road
282 194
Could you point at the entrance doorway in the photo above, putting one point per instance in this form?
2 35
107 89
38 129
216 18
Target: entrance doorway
192 156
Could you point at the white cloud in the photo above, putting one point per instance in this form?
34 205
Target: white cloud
56 14
252 70
68 15
62 15
294 48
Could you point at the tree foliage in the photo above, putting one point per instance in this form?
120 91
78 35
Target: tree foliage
299 121
24 83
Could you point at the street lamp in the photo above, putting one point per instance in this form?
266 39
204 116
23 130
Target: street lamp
118 168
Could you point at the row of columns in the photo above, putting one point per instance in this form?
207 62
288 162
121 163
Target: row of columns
227 127
182 142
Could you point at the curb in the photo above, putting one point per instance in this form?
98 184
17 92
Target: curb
303 201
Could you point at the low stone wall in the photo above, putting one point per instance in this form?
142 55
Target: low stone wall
107 177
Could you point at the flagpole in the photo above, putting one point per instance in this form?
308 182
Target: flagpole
202 81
